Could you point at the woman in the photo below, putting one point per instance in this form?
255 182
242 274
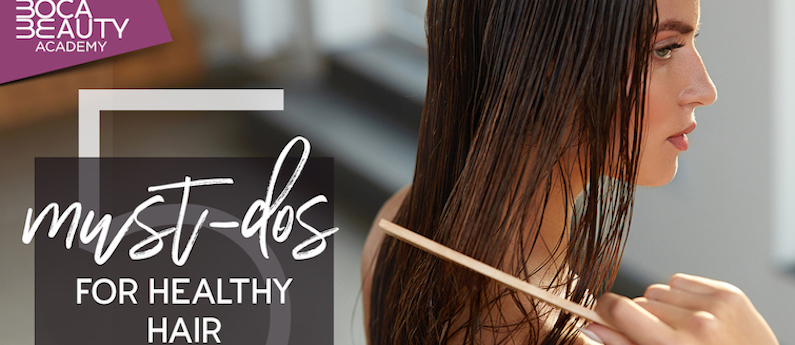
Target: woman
530 104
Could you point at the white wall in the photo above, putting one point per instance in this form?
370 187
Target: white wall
237 30
338 24
715 218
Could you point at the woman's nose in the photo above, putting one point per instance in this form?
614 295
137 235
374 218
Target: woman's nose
700 89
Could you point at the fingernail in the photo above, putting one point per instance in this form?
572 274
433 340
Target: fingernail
591 335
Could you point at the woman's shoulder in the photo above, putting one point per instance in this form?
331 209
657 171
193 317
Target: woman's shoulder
376 236
372 245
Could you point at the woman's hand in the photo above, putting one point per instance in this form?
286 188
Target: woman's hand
690 310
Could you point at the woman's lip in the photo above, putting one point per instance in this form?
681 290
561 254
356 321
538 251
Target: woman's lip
687 130
680 140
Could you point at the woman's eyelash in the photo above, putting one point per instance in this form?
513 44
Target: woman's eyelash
673 46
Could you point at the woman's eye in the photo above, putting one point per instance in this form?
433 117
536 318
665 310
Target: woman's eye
665 53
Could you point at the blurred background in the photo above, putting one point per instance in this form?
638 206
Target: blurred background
353 73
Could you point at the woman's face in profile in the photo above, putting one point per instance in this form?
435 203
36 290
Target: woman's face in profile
678 83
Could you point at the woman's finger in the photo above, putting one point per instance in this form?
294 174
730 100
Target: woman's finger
605 335
633 321
678 318
677 297
719 298
698 285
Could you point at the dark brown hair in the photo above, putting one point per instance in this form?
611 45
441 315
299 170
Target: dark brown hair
513 86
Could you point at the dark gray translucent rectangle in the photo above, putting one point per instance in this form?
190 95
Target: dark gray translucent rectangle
306 317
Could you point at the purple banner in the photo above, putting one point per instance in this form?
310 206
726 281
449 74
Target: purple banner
40 36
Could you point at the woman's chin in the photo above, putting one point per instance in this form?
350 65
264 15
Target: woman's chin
657 176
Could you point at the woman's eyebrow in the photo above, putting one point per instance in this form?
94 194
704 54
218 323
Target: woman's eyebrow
676 25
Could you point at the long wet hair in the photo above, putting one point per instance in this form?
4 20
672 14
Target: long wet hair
515 86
